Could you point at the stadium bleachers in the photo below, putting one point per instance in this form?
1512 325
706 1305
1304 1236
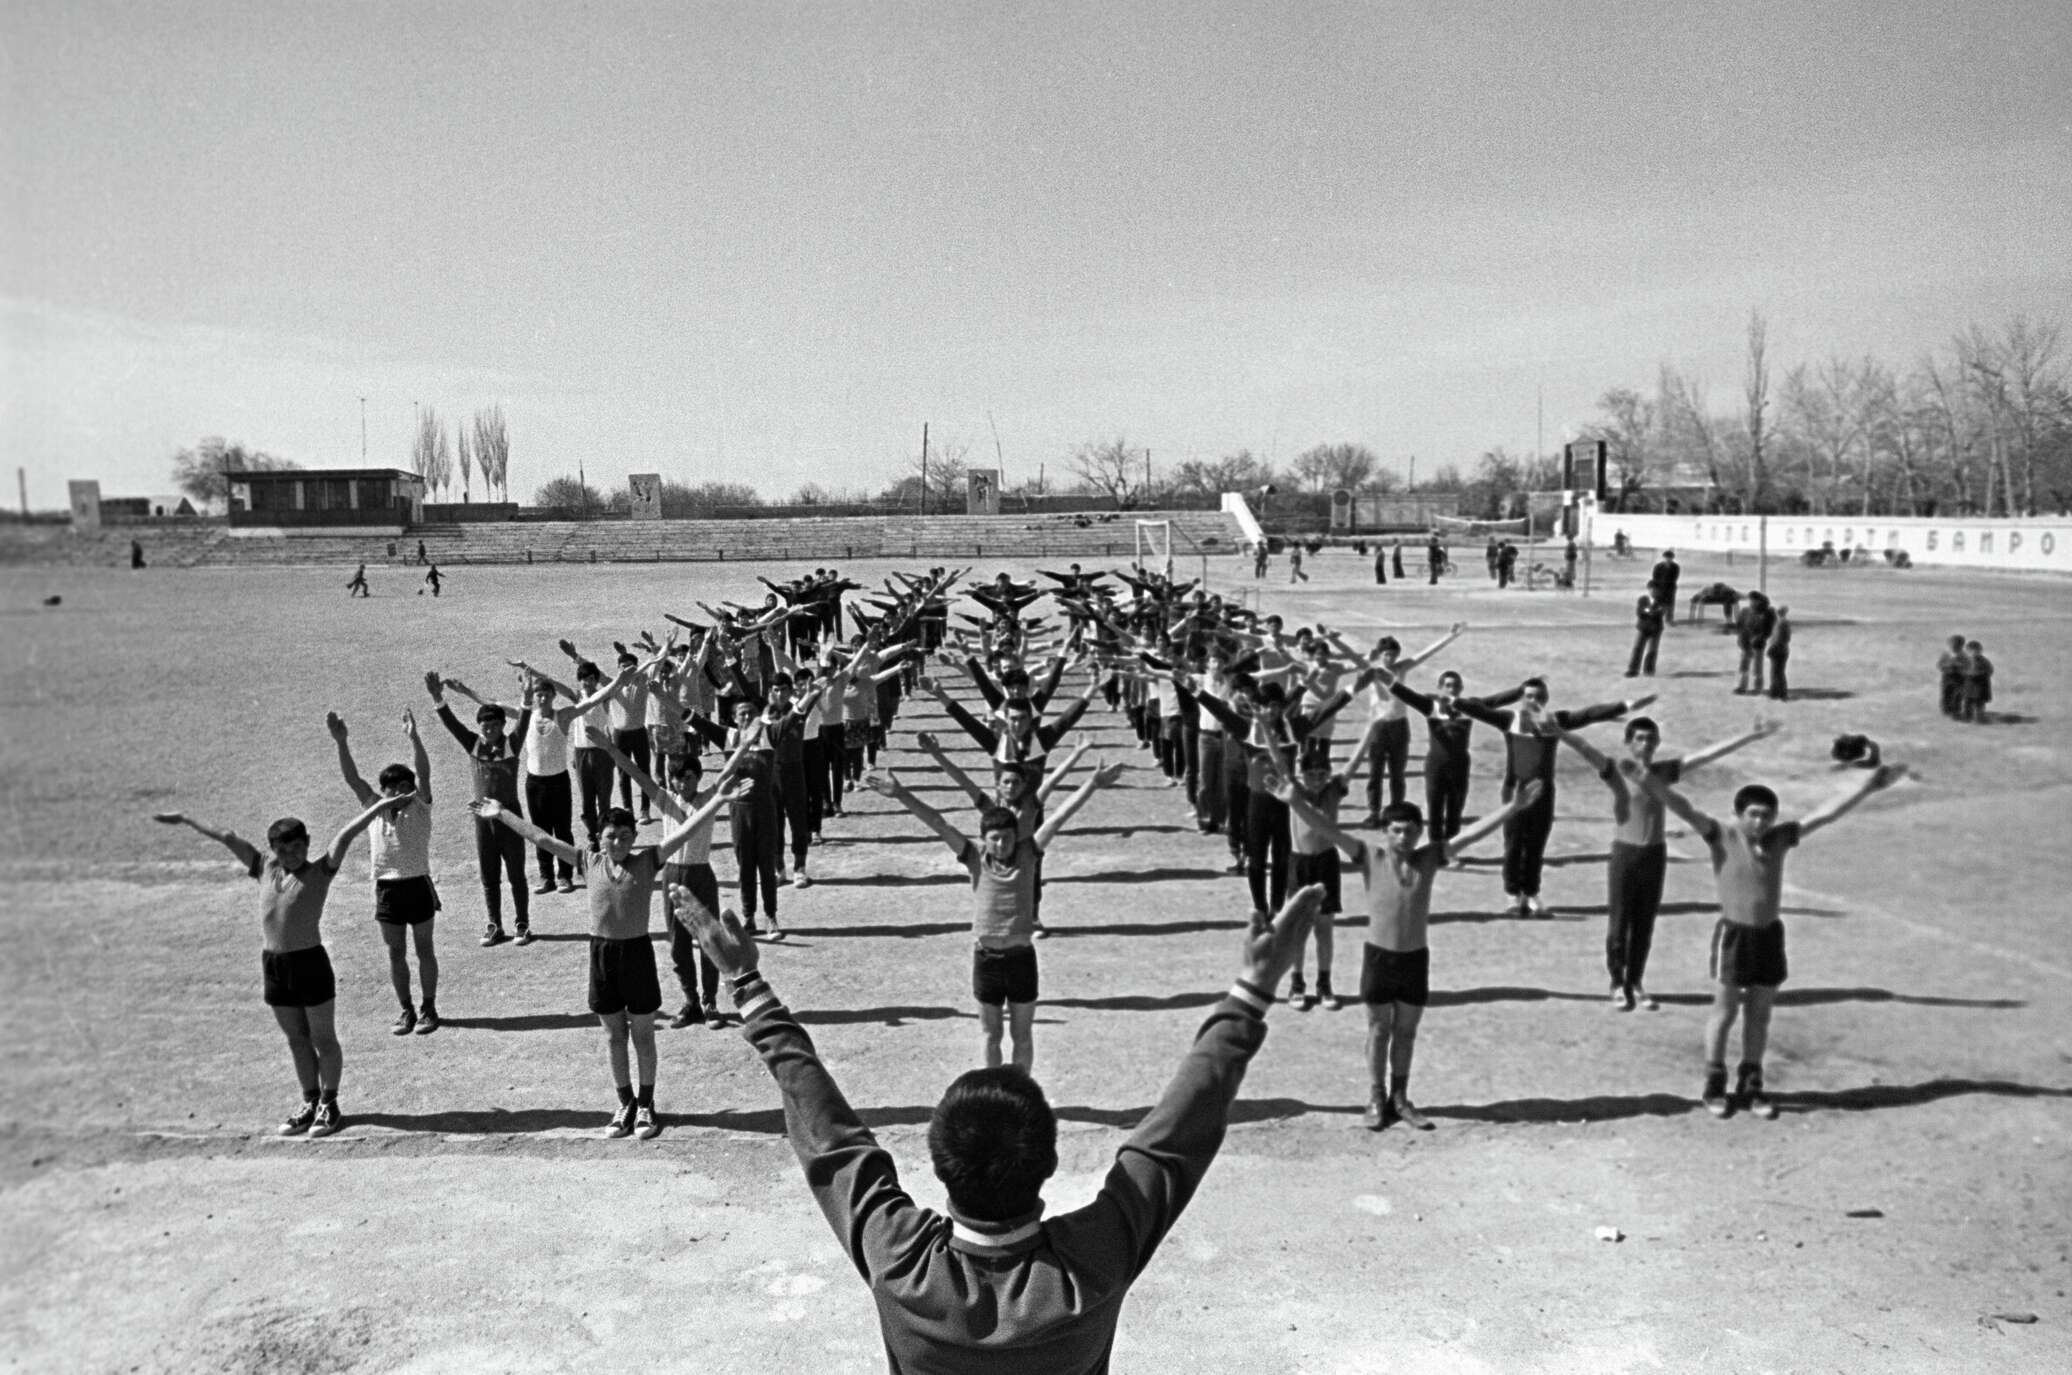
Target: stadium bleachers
942 539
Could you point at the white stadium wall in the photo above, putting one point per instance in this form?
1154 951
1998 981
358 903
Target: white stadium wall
1969 542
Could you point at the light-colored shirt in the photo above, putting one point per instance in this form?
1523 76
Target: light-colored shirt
545 751
402 841
1004 906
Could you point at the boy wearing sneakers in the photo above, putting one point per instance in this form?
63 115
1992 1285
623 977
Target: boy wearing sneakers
1748 962
299 984
624 990
1639 854
1395 976
1314 860
1002 865
404 899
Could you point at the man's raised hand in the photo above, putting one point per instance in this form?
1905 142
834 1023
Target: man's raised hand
409 724
1271 947
434 684
170 818
334 723
720 936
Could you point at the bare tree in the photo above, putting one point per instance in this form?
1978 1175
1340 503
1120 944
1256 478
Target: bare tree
199 471
1688 428
493 449
1755 396
1329 467
464 452
2034 389
424 449
1113 469
945 473
1627 430
1238 472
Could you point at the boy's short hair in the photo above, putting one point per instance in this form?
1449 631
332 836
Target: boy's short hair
1643 725
487 712
627 659
1388 644
998 819
397 776
586 669
619 818
1402 811
754 702
1973 644
1458 681
1753 795
1540 683
994 1142
286 831
1956 642
1017 704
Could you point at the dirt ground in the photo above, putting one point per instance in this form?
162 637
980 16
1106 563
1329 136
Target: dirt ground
469 1217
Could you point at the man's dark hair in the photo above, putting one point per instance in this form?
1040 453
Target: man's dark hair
1388 644
994 1142
586 669
1643 725
1402 811
287 830
619 816
1754 795
1459 684
1540 683
487 712
998 819
397 776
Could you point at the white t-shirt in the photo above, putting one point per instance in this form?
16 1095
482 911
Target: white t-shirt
545 751
402 842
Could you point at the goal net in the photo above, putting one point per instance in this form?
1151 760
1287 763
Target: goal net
1452 528
1154 549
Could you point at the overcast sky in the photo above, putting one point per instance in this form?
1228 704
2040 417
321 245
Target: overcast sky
764 242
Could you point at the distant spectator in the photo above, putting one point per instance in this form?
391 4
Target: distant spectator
1951 666
1779 652
1662 582
1978 682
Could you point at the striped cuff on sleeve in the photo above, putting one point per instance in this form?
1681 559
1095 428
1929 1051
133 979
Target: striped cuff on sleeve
1252 996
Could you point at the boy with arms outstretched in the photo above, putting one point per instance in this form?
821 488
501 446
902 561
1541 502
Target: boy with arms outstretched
624 991
1002 866
1395 976
689 868
404 899
1639 858
1748 962
295 966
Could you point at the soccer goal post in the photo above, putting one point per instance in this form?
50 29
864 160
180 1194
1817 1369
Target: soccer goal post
1154 547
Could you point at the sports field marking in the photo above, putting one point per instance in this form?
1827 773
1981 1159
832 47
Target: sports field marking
1932 930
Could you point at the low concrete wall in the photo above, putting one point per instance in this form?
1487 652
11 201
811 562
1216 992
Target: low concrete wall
2034 545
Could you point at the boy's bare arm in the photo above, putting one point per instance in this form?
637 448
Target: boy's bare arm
1834 809
1596 758
334 854
642 779
703 813
489 809
1485 826
420 757
1658 788
1353 847
347 769
1762 730
1055 822
1453 633
889 785
247 853
1058 771
928 741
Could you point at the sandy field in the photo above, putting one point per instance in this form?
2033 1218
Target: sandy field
1910 1210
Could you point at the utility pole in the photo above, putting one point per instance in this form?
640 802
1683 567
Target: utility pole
21 478
924 467
1147 473
363 432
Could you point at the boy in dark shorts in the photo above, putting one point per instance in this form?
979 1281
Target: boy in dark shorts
624 990
1002 865
494 752
1313 859
1748 962
404 898
691 867
299 984
1639 854
1395 976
